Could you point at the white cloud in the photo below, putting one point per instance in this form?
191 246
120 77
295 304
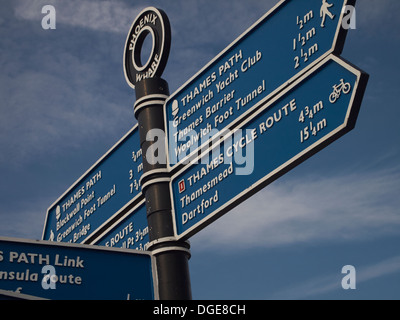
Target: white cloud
311 288
315 287
351 207
386 267
112 16
52 111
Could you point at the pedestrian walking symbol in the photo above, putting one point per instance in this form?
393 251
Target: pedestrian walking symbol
325 12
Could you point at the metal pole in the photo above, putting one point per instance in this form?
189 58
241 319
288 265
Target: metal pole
171 256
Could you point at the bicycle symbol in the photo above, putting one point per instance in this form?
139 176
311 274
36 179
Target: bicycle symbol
338 89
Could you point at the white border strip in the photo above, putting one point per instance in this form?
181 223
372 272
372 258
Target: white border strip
151 96
169 249
74 246
21 296
154 181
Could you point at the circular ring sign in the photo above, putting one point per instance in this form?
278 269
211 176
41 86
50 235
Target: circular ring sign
154 23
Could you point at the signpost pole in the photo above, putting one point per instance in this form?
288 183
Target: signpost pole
171 256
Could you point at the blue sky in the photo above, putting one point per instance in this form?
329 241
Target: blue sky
64 103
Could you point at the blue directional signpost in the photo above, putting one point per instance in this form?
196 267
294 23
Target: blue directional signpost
105 191
314 111
273 98
289 40
41 269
